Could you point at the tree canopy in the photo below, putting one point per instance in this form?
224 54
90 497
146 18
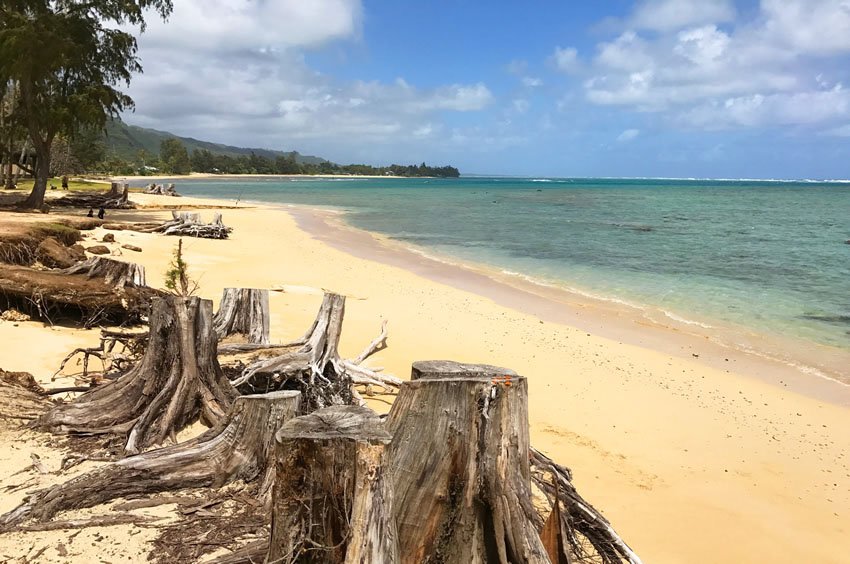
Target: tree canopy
67 64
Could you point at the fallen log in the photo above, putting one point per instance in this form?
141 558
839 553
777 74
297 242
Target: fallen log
458 465
237 448
116 198
243 311
331 500
21 398
177 381
117 273
56 295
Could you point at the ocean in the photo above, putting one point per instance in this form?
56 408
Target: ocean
767 256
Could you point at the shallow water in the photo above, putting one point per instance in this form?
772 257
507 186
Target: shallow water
769 256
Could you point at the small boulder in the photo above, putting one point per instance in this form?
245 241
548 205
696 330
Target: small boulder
53 254
108 238
132 248
98 250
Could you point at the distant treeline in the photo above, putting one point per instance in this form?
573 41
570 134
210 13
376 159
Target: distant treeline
206 161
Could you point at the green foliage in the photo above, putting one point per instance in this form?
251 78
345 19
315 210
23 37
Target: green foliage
177 276
174 157
62 233
67 61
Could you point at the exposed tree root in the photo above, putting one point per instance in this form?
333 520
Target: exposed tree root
116 273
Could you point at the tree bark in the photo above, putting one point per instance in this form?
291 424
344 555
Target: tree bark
244 311
332 502
458 464
238 448
42 173
177 381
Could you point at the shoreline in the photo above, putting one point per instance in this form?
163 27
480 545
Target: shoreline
674 452
214 176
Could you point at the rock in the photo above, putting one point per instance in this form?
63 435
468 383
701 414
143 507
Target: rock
14 315
98 250
847 242
108 238
132 248
53 254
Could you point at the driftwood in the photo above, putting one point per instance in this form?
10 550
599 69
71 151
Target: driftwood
312 364
459 467
243 311
238 448
116 198
162 189
21 398
116 273
578 521
190 225
177 381
53 295
332 503
114 362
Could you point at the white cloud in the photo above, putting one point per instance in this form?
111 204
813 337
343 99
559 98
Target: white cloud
520 105
531 82
628 135
779 68
671 15
566 59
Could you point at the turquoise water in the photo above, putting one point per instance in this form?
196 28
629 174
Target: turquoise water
770 256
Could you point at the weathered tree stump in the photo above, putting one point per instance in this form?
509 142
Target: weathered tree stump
177 381
238 448
311 364
116 273
458 464
243 311
332 502
190 225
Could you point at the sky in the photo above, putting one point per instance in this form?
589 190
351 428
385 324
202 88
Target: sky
664 88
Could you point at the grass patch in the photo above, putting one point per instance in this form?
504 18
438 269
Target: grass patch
62 233
26 184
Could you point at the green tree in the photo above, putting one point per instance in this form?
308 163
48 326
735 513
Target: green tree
67 62
174 156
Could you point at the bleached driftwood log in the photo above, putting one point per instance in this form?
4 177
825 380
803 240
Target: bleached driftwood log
162 190
116 273
190 225
458 465
116 198
243 311
332 502
239 447
177 381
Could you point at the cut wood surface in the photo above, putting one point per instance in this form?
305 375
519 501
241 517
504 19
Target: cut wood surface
238 448
458 465
332 502
177 381
243 311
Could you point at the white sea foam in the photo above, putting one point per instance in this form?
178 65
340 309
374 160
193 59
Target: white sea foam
681 319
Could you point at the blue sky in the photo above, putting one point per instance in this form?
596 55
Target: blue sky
684 88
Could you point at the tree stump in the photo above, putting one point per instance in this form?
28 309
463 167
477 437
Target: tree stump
243 311
312 365
114 272
177 381
332 502
459 469
238 448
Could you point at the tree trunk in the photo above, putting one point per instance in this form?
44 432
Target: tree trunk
332 502
177 381
114 272
313 367
42 174
238 448
458 464
243 311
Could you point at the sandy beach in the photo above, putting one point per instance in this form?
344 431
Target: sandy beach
693 457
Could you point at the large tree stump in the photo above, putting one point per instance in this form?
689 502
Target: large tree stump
177 381
238 448
332 502
116 273
243 311
458 463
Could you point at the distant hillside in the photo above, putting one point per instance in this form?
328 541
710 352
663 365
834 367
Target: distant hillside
125 141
